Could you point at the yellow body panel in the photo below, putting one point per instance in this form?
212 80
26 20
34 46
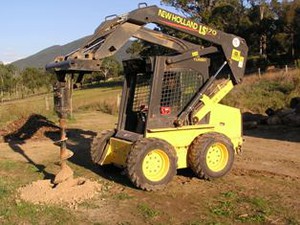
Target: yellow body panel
117 151
221 118
180 139
228 121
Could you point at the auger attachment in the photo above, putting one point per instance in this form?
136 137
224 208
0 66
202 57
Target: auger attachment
62 108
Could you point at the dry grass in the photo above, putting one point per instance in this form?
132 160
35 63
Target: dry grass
271 90
102 99
255 94
10 111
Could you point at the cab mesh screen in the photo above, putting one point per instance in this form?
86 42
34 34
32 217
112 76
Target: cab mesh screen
141 92
178 88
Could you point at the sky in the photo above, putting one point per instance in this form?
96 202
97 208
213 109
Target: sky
29 26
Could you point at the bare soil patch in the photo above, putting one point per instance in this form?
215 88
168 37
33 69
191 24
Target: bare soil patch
70 192
33 127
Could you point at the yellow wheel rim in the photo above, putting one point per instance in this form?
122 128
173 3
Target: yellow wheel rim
156 165
217 157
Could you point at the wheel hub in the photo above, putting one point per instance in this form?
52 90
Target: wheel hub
217 157
156 165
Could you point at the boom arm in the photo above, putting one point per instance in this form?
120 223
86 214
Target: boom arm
112 34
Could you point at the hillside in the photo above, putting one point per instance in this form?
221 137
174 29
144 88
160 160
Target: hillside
40 59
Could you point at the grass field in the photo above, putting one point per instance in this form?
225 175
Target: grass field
255 94
102 99
270 90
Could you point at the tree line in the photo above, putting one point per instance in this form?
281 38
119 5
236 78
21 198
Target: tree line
19 84
15 83
270 27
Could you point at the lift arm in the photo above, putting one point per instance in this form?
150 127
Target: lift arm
114 32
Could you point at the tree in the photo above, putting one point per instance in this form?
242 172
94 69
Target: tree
296 37
223 14
292 26
199 10
136 48
33 79
270 27
7 75
110 67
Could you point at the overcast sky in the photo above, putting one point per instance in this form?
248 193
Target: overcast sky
28 26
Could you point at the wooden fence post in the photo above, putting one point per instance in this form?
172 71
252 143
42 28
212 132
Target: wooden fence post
47 103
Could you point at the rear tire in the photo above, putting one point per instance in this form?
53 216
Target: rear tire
151 164
98 146
211 155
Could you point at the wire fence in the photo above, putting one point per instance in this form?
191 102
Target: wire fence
271 69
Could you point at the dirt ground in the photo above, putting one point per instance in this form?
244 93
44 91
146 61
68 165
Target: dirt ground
262 188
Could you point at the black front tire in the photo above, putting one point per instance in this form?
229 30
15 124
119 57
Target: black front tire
98 146
146 154
216 145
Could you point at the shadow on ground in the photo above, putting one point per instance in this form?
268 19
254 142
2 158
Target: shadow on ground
282 133
256 125
37 127
79 142
26 129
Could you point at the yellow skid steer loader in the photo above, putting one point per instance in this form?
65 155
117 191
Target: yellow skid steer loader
170 116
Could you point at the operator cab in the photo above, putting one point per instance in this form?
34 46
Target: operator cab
156 92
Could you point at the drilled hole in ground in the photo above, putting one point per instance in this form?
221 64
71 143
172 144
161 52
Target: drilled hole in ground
81 182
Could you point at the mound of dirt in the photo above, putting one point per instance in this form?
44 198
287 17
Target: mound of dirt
35 127
69 193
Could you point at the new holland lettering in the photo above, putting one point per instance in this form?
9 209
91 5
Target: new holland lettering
165 14
178 19
204 30
184 22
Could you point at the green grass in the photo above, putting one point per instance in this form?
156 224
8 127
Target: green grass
23 212
5 190
231 206
146 211
236 208
15 211
258 210
223 208
8 165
